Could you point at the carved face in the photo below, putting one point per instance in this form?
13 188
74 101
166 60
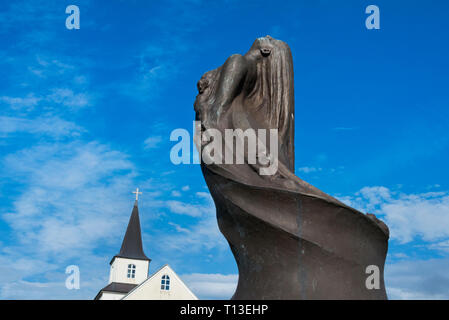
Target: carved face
202 85
261 48
201 105
253 90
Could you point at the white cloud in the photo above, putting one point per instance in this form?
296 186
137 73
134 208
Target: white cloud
175 193
319 170
185 188
52 126
441 246
420 279
211 286
202 235
68 98
180 207
71 201
195 210
400 255
50 99
418 215
74 198
152 142
45 67
45 290
154 65
204 195
179 228
309 169
56 65
344 128
15 269
28 102
409 216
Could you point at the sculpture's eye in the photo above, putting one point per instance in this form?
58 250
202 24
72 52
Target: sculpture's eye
265 51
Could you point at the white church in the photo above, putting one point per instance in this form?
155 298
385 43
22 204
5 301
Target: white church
128 277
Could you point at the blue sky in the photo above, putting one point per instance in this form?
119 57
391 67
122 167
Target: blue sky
86 116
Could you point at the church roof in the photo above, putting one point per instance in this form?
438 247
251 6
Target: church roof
116 287
132 242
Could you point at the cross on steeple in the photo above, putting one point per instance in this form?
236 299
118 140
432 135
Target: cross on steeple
137 193
132 242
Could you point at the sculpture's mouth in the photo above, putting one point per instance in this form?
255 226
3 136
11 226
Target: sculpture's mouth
265 51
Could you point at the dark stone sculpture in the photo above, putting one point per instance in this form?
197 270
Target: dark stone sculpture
290 240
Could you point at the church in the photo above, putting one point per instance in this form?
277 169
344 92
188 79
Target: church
128 277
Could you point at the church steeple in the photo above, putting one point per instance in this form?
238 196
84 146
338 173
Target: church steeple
130 266
132 242
128 276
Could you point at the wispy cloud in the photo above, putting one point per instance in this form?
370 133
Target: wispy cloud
309 169
70 196
175 193
66 97
16 284
28 102
442 246
153 66
73 199
152 142
52 126
211 286
203 234
417 222
320 171
409 216
178 228
194 210
420 279
344 128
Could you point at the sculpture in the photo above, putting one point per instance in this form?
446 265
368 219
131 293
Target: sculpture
290 240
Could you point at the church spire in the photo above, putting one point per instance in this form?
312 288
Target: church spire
132 242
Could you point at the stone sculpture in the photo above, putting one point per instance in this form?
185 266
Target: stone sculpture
290 240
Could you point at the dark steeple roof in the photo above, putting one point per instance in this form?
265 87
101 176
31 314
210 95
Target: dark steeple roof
132 243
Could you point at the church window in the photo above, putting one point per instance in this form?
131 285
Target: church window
165 282
131 271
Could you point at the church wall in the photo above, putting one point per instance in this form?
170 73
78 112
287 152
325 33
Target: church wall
111 296
151 289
